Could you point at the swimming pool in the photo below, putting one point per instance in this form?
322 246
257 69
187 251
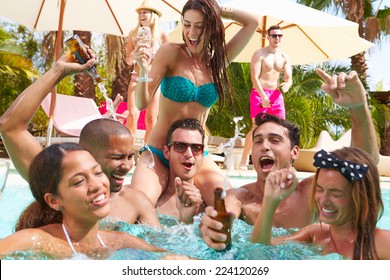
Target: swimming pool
179 238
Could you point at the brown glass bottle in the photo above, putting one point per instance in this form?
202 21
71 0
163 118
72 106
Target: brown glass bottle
77 47
223 216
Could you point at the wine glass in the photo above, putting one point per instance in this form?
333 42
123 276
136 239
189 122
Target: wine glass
133 72
144 37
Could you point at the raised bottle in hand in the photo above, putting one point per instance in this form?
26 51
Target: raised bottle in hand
77 47
223 216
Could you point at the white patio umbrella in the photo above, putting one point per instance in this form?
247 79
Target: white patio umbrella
116 17
309 35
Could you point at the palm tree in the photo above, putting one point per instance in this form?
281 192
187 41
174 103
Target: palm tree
373 24
117 68
306 105
84 84
16 70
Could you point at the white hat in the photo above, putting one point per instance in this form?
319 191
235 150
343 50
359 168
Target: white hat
148 5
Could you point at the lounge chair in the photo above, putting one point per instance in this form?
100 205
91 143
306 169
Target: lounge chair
71 113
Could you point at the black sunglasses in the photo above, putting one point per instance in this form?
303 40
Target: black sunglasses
276 35
181 147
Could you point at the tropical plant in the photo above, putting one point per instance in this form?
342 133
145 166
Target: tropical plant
220 123
306 104
16 70
118 69
373 24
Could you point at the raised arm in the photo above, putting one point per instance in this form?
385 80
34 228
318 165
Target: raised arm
21 146
249 22
347 91
279 184
144 92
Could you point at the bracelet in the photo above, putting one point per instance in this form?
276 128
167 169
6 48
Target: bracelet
227 12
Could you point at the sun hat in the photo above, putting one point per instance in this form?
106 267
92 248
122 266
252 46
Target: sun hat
148 5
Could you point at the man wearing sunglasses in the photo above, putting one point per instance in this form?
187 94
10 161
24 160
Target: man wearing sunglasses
184 150
266 65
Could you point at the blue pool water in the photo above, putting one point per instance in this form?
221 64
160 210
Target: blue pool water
175 237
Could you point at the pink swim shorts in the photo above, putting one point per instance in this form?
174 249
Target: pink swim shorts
277 103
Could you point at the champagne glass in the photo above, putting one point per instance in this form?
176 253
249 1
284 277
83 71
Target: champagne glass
133 72
145 38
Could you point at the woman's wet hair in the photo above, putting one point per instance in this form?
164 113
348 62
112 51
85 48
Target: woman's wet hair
214 45
45 174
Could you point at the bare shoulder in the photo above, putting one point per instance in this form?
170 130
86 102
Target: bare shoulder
170 48
305 185
259 54
164 38
243 193
134 196
286 57
382 243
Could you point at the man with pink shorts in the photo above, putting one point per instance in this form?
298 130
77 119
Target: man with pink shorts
276 101
266 65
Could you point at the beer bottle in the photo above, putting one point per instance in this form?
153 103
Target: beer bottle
223 216
77 47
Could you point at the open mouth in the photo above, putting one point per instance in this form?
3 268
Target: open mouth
118 179
328 211
188 165
100 200
193 41
266 163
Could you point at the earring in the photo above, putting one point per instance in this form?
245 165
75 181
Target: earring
59 208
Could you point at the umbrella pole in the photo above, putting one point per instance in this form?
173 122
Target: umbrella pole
263 31
54 90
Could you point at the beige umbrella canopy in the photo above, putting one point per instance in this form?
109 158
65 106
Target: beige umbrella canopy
116 17
310 36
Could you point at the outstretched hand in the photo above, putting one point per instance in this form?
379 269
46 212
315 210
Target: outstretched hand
188 200
346 90
280 184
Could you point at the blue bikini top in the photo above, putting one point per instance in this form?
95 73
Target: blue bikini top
180 89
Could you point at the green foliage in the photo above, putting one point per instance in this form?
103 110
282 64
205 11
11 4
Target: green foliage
306 104
221 122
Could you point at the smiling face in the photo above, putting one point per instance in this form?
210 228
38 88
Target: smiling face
145 17
84 188
193 27
116 159
272 149
184 164
333 197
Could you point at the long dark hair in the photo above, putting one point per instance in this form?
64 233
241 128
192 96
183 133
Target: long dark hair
215 46
44 175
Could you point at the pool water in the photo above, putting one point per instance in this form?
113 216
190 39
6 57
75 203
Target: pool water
176 237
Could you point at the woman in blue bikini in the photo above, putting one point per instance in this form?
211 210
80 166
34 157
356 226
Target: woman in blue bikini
192 77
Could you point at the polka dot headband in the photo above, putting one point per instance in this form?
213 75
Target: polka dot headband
350 170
